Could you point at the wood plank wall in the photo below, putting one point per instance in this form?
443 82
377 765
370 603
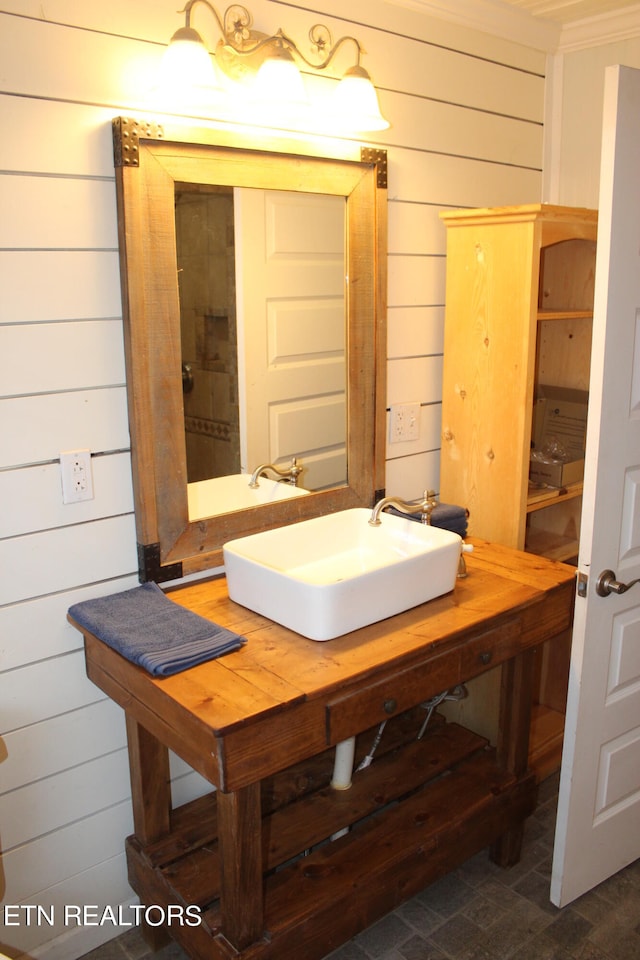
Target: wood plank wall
466 110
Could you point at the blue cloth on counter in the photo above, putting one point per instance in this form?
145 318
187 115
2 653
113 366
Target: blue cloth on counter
450 517
146 627
444 515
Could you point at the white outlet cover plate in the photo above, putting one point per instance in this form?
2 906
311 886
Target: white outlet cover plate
77 479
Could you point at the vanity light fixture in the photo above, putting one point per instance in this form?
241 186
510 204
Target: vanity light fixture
262 73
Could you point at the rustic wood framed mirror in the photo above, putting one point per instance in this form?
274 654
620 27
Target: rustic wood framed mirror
153 164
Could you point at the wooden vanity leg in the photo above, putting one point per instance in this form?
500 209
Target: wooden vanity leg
150 782
151 800
516 693
240 840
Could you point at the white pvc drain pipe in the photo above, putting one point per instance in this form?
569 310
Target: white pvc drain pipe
343 764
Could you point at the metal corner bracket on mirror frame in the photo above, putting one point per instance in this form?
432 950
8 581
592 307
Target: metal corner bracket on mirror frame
150 159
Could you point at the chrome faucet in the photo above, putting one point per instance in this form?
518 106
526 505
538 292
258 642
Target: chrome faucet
424 507
290 473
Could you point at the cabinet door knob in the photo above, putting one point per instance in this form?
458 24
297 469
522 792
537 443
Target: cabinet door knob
485 657
390 706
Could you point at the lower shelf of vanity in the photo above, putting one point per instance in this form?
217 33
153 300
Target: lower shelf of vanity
336 861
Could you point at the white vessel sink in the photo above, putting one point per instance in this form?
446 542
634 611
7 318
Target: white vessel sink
327 576
208 498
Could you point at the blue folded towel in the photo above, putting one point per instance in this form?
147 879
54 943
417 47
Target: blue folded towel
450 517
444 515
149 629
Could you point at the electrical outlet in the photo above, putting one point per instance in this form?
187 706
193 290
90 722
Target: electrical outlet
77 481
404 422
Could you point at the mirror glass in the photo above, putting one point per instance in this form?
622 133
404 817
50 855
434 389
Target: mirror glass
253 302
262 285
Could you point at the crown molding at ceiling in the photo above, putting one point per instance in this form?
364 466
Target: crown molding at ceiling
599 30
515 24
494 17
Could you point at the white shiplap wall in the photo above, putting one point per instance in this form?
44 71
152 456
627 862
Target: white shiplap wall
466 113
580 134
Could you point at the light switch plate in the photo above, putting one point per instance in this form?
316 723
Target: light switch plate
404 422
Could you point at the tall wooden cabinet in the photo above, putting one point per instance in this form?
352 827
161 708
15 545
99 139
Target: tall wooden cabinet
519 301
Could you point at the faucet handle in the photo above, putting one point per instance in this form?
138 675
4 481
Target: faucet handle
294 472
428 504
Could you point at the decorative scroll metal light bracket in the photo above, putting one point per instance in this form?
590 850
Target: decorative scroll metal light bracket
242 49
270 70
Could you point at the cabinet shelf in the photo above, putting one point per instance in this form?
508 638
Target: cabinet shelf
539 498
541 537
565 315
551 545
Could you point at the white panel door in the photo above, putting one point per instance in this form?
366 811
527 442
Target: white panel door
290 276
598 827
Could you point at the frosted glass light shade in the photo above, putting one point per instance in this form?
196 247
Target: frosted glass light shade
354 102
279 84
187 71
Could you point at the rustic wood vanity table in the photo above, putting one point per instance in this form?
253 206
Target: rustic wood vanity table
266 857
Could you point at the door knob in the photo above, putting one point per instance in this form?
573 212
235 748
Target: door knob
607 583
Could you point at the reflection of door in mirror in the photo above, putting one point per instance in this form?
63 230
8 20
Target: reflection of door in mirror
206 278
290 278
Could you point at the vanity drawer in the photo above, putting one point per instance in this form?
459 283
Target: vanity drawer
362 708
491 648
367 706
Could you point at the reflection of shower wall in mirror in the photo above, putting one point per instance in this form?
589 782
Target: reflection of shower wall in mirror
206 280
